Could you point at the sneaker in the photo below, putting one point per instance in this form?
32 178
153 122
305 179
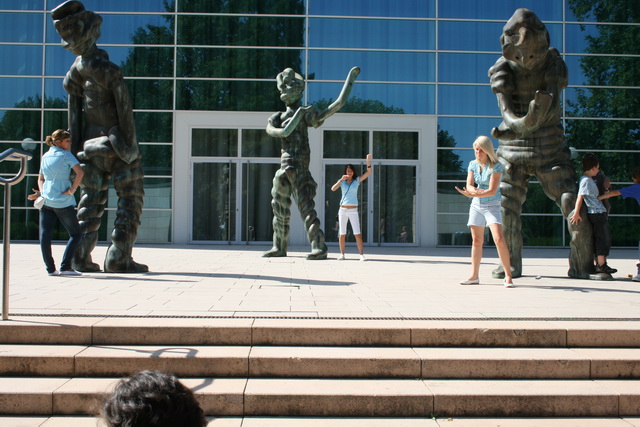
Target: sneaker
54 273
341 257
362 258
636 278
605 269
70 273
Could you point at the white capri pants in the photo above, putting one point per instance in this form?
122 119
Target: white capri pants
345 215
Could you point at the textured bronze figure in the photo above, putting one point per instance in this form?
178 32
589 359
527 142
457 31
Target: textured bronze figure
103 137
293 178
528 80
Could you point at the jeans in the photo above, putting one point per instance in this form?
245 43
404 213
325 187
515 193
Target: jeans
601 233
69 220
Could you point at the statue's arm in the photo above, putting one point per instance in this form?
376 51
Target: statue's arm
128 149
74 121
336 105
289 124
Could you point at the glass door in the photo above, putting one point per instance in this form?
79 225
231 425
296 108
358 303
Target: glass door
214 202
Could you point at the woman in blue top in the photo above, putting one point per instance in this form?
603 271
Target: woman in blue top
59 204
483 185
349 183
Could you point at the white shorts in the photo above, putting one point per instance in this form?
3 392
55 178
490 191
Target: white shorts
351 215
484 215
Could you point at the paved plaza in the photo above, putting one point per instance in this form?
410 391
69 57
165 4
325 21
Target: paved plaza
395 282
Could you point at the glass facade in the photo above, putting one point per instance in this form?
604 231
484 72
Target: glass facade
418 57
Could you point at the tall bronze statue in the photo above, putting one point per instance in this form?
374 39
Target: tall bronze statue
103 137
293 178
528 80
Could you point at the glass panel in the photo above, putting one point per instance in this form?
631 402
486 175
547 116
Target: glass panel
214 142
453 164
547 10
58 60
600 102
396 145
376 66
612 135
20 93
156 159
151 94
16 125
471 100
345 144
123 5
54 120
486 36
24 60
154 127
214 201
374 98
394 206
127 29
538 230
591 11
237 63
371 33
257 214
155 227
403 9
465 67
228 96
55 95
453 230
625 232
24 225
537 201
452 202
604 39
143 61
462 131
240 31
286 7
157 193
22 4
256 143
602 70
332 204
21 27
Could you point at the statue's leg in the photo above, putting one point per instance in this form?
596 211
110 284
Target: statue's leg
90 210
281 205
128 183
304 194
558 183
513 188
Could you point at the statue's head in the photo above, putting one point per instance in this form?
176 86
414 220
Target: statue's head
290 85
525 39
79 28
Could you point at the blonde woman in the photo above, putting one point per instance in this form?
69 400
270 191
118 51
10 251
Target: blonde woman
59 203
483 186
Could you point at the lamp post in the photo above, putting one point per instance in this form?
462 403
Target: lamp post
21 156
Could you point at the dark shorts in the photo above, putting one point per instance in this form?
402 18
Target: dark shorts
601 233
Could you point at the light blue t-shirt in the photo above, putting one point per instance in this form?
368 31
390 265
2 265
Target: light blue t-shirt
482 179
589 190
349 192
56 167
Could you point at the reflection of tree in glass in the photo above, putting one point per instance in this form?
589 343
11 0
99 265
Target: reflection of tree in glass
449 163
609 70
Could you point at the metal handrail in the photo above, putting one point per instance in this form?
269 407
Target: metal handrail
12 154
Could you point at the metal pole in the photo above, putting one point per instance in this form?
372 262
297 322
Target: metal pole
5 249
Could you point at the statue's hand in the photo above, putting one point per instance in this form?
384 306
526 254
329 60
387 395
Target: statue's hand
503 134
97 147
538 108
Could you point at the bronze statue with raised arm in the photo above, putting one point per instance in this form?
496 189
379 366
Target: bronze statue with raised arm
293 179
528 80
103 137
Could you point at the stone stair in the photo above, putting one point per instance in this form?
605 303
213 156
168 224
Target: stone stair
268 372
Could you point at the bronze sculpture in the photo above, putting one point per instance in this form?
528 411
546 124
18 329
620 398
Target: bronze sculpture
528 80
103 137
293 179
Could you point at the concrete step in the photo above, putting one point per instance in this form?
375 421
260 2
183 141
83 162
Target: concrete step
320 332
87 421
239 397
321 362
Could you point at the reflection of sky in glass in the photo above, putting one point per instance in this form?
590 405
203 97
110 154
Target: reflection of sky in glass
466 129
22 4
468 100
577 38
547 10
371 33
53 89
116 5
116 29
397 8
465 67
482 36
375 66
21 90
412 99
21 27
21 60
